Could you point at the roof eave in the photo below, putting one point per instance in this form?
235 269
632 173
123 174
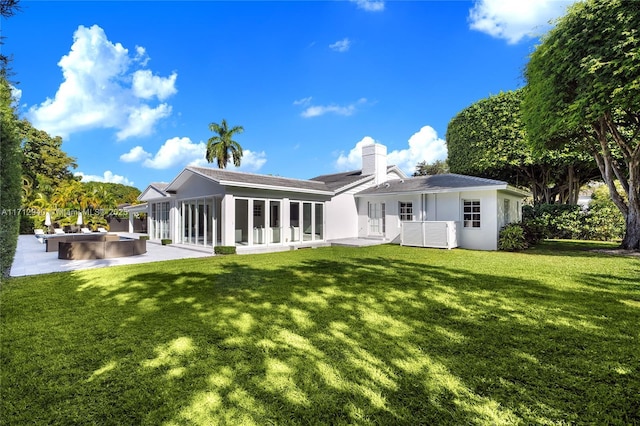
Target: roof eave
274 187
449 190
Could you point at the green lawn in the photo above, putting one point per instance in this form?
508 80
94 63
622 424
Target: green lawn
379 335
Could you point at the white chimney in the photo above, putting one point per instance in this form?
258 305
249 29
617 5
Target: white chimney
374 162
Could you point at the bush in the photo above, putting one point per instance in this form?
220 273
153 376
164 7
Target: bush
144 237
29 223
512 238
534 230
165 241
602 221
224 250
10 178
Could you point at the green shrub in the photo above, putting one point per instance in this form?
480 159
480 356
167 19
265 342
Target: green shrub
224 250
165 241
29 223
144 237
512 238
603 221
10 178
534 230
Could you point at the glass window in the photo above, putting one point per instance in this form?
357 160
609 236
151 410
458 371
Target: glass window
507 211
319 221
471 213
406 211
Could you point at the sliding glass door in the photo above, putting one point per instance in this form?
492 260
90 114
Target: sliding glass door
198 222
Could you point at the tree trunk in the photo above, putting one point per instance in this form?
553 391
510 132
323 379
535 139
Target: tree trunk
631 239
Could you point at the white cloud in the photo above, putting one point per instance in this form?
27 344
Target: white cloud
318 110
425 145
141 120
141 56
353 160
370 5
303 101
514 20
176 152
136 154
16 94
251 161
108 177
102 90
146 85
341 45
183 152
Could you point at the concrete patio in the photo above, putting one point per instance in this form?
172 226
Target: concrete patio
32 259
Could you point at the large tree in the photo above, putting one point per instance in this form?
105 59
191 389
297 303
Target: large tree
438 167
221 147
584 78
45 165
488 139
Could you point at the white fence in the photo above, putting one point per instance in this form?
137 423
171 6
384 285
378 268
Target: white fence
438 234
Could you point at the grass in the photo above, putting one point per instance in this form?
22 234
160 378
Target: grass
378 335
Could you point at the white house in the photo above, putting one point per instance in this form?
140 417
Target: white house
207 207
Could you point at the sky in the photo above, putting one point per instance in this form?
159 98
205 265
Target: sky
132 87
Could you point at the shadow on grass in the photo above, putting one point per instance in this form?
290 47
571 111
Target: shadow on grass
340 339
572 248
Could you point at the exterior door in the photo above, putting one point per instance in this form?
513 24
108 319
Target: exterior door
377 222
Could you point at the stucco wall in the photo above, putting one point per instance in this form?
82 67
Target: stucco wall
485 237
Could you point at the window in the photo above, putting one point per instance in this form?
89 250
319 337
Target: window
406 211
257 209
507 211
471 213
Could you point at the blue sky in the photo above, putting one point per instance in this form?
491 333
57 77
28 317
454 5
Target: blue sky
132 86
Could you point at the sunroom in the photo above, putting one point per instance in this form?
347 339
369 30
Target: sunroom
210 207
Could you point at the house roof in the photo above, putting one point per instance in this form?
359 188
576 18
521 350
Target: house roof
154 188
250 180
338 181
439 183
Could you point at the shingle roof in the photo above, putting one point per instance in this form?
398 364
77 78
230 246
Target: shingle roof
227 177
340 180
159 186
433 183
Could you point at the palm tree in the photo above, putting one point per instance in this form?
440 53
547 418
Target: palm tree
222 147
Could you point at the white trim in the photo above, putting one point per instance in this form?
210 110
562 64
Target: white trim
506 188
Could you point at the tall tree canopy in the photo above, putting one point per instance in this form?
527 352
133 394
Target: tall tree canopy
45 165
438 167
488 139
584 78
221 147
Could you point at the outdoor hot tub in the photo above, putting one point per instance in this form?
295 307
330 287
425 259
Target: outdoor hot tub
100 248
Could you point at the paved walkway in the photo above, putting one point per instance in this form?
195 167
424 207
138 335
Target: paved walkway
32 259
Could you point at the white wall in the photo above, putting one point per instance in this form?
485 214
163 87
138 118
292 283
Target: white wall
342 217
515 209
443 207
485 237
392 214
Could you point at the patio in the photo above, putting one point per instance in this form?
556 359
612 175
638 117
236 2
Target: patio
32 259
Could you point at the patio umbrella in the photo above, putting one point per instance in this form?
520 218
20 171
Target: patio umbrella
47 219
79 221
